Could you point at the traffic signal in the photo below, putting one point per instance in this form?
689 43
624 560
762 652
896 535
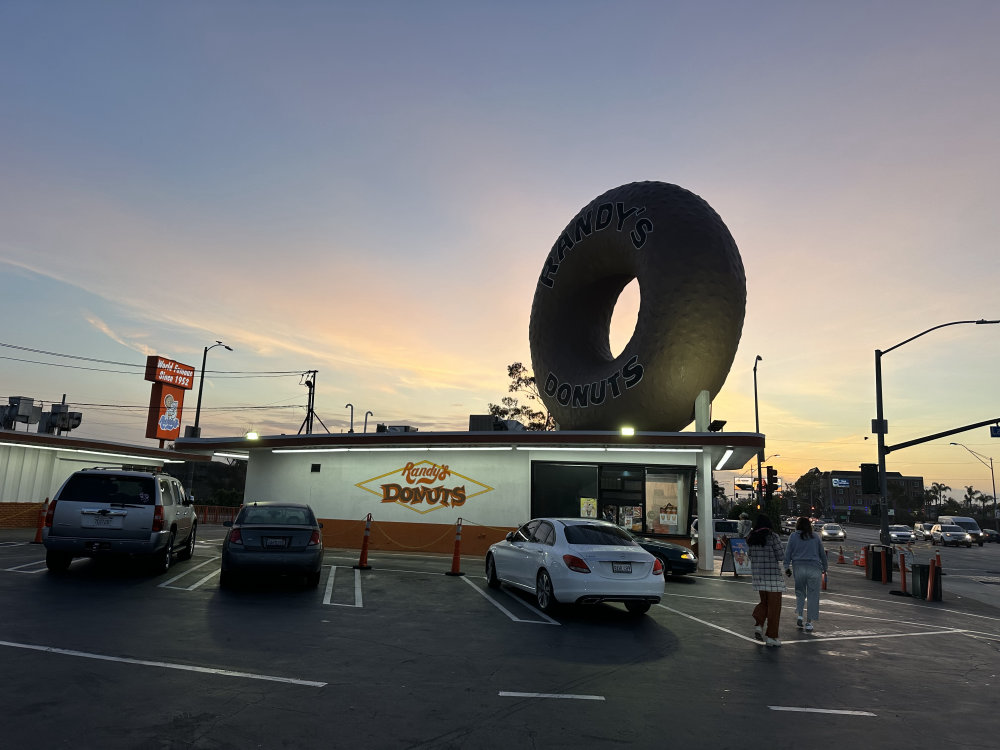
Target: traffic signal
869 479
772 482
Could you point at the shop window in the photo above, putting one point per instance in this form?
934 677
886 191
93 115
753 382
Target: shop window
668 496
563 490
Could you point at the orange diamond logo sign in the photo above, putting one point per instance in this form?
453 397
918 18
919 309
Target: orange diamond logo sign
424 486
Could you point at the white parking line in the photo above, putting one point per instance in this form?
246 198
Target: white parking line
13 544
328 595
569 696
511 615
166 584
822 711
37 567
163 664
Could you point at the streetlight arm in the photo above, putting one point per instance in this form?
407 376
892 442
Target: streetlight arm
979 456
979 322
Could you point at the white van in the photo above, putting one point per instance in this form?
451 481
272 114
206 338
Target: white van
969 524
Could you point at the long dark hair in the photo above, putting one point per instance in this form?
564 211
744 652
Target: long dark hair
804 528
761 530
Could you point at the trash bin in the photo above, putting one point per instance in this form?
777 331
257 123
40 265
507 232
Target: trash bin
920 574
873 562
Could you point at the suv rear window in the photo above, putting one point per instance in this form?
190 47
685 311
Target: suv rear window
95 488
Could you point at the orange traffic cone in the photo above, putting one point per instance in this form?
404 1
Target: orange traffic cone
456 560
363 560
840 557
41 522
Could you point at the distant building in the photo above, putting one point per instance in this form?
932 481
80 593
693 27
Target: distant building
840 492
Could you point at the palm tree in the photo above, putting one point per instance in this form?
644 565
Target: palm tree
939 489
971 493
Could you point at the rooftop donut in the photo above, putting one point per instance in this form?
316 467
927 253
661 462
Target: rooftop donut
692 289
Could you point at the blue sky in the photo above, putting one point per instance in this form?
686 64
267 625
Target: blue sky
370 191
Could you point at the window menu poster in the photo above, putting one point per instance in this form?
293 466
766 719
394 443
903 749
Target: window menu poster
588 507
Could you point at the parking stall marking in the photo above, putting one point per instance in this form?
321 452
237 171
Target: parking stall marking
837 711
547 620
13 544
163 664
328 595
842 636
37 566
166 584
566 696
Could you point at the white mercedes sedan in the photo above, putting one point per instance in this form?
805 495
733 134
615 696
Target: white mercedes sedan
576 561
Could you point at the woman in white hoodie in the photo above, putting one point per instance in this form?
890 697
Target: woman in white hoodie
805 553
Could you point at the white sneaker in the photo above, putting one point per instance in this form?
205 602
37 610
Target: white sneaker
809 627
758 632
772 641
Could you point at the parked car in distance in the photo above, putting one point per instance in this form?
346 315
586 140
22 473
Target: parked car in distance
899 534
677 559
945 534
969 524
576 561
723 527
273 538
106 513
991 535
832 532
922 531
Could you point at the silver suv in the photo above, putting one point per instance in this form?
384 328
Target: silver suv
107 512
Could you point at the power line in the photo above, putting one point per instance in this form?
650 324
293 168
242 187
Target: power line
142 366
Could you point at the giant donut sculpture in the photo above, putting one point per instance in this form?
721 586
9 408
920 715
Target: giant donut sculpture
692 291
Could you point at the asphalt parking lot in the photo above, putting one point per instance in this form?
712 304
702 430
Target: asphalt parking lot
403 655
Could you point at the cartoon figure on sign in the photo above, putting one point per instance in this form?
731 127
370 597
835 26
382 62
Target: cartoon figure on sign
169 421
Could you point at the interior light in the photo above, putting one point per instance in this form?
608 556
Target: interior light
252 435
628 431
725 457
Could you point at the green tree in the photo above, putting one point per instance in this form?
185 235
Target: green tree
532 414
971 494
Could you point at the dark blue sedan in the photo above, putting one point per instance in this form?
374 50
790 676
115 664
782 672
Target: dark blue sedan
677 559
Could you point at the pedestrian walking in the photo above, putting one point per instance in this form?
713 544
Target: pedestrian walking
766 554
805 555
744 526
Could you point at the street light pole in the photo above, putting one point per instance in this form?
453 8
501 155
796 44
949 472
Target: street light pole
756 417
880 427
201 386
980 458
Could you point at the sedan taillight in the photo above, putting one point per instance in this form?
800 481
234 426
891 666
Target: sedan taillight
235 536
657 567
575 564
158 518
50 514
314 539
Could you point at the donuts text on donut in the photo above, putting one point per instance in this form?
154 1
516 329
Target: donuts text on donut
579 396
592 221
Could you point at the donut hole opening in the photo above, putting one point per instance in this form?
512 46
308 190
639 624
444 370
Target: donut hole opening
624 318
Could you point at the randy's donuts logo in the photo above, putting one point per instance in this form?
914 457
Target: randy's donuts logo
424 486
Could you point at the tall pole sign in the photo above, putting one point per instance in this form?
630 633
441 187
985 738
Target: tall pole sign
166 399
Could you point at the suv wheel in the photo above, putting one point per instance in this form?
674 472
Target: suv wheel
163 558
188 552
57 562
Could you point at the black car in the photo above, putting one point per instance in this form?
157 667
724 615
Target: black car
989 535
677 559
273 539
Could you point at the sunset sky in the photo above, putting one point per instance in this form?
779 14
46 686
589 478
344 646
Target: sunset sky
370 189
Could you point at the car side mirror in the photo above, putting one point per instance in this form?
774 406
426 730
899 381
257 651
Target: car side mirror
510 536
227 523
321 526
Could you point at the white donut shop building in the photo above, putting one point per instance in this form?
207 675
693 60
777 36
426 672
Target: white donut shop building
416 486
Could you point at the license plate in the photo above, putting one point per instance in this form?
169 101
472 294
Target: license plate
101 522
621 567
275 542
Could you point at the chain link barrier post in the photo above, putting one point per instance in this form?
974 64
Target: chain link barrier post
363 560
456 559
